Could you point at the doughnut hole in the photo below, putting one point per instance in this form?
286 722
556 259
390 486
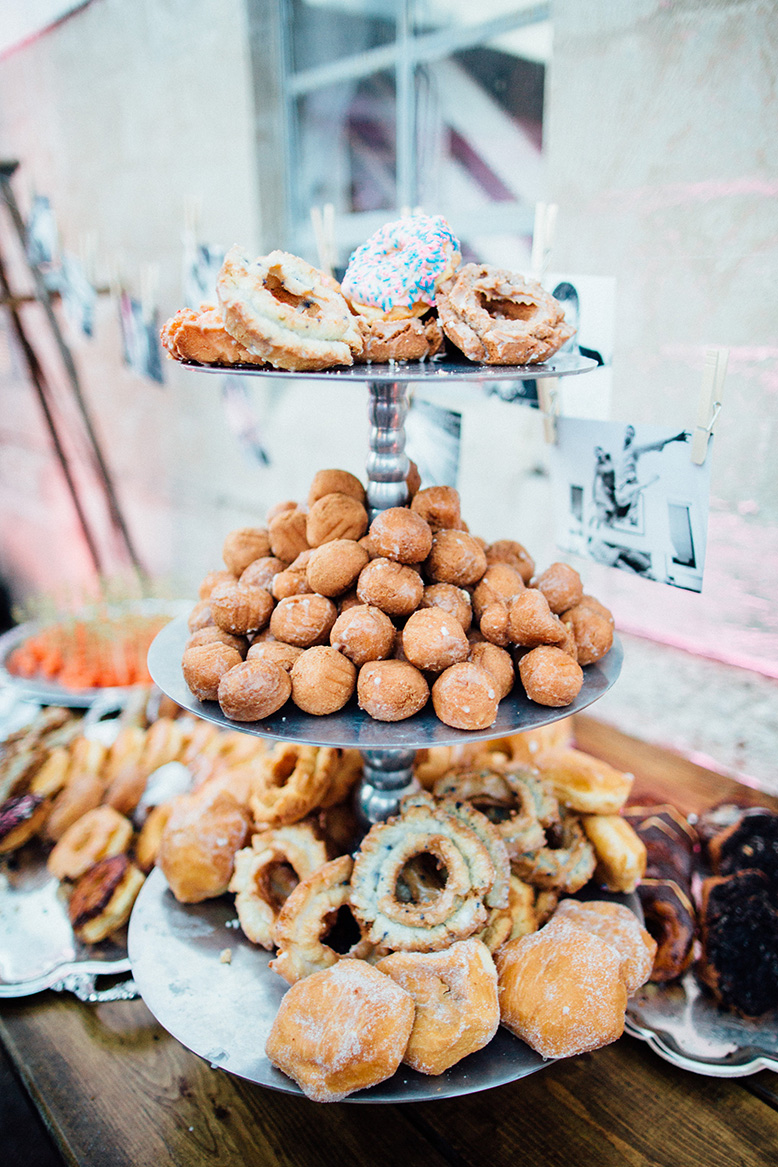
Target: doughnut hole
499 584
395 588
593 633
278 508
391 690
550 676
335 482
262 572
531 622
212 634
349 599
333 567
456 558
433 640
201 616
397 533
293 581
238 609
211 580
335 516
465 697
513 553
561 585
439 506
497 663
322 680
253 690
412 479
303 620
363 633
287 534
275 650
204 665
449 598
495 624
243 546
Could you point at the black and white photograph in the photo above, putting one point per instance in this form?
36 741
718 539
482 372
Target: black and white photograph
629 496
140 339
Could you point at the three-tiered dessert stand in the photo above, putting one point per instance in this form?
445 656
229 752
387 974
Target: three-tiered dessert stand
223 1009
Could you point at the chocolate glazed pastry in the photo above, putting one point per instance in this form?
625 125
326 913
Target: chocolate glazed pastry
749 843
665 891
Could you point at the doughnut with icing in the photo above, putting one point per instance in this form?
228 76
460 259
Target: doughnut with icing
253 690
102 899
407 339
285 312
266 873
499 317
200 336
396 272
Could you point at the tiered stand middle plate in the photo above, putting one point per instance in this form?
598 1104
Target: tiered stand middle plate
222 1008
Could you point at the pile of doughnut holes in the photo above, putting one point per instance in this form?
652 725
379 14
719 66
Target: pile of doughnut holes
321 602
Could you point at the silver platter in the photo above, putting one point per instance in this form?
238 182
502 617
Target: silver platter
682 1023
223 1011
351 727
448 369
37 947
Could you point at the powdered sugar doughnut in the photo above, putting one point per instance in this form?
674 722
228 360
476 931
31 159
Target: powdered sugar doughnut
396 272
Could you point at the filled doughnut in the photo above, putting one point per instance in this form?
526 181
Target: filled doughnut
198 844
341 1030
455 994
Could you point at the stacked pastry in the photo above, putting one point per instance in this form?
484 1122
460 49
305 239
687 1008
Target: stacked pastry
403 290
411 948
317 605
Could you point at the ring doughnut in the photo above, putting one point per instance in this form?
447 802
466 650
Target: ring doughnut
518 802
305 919
500 318
266 873
395 273
409 339
455 913
21 817
457 1007
98 834
293 780
566 867
284 312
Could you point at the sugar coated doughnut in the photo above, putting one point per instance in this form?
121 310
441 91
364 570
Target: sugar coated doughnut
395 588
391 690
341 1030
399 533
398 268
550 676
433 639
562 990
333 567
561 585
439 505
457 1009
363 633
323 679
198 844
451 599
243 546
620 927
204 665
98 834
465 697
253 689
335 482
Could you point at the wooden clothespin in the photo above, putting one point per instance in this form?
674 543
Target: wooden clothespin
543 238
548 401
149 290
323 222
709 401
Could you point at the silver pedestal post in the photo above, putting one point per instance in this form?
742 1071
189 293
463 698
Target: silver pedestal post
388 774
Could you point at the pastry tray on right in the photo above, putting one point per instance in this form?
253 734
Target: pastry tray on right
683 1024
353 728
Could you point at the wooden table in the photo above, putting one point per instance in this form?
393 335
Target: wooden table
114 1088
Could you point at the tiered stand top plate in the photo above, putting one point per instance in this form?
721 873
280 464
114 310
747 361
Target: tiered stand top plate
351 727
448 369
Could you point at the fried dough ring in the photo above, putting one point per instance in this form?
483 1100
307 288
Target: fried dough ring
294 780
305 918
408 339
457 1007
456 913
499 317
488 833
284 312
201 336
256 881
566 868
520 803
101 833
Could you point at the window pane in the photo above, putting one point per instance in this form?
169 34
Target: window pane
323 31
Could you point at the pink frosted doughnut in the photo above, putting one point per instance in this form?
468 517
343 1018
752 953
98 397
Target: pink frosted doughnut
398 268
